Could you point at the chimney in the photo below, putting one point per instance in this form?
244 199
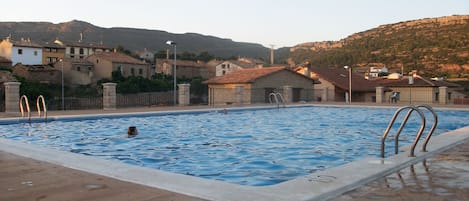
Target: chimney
271 54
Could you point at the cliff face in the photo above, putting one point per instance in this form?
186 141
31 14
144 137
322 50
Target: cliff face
434 46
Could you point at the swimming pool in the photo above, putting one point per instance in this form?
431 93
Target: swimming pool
249 147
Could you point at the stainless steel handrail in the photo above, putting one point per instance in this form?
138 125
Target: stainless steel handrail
391 123
25 99
277 97
38 106
432 129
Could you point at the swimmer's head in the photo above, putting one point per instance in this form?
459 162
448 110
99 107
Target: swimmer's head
132 131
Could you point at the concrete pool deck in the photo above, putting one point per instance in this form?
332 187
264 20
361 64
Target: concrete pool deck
98 187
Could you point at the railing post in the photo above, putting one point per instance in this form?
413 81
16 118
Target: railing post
184 94
12 97
109 96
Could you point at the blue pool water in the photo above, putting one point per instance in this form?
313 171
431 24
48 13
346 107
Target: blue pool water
247 147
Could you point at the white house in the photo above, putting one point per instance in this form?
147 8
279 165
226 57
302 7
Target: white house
376 71
80 49
232 66
24 51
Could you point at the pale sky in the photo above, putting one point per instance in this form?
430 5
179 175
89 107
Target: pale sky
267 22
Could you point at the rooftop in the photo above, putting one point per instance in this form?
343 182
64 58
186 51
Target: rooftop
245 76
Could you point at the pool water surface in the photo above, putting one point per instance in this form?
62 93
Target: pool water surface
248 147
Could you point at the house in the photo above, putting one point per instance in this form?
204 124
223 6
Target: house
184 68
24 51
76 71
40 73
417 89
81 49
254 85
52 52
146 55
106 62
335 84
229 66
375 72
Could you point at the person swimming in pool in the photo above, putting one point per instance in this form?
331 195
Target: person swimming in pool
132 131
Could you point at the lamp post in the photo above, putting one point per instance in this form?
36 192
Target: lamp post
349 83
63 101
172 43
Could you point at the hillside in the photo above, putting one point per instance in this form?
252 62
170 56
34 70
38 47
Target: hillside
132 39
433 46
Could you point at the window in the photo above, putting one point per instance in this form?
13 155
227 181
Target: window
132 71
78 68
35 53
223 72
89 68
140 71
97 61
54 50
72 50
20 51
82 51
223 66
47 49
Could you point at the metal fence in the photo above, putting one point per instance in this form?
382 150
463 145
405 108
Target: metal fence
144 99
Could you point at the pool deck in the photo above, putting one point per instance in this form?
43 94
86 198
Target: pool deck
443 176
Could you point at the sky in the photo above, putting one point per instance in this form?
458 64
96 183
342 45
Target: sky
281 23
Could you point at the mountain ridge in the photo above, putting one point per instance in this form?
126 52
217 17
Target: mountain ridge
133 39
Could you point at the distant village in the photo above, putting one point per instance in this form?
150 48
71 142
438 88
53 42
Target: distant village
84 63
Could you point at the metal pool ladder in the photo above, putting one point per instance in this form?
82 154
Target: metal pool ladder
277 98
40 99
24 101
419 134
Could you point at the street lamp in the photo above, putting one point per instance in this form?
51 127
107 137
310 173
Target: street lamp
349 83
172 43
63 102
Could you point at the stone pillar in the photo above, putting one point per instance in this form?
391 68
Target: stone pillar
109 96
184 93
380 95
287 94
443 95
239 95
12 97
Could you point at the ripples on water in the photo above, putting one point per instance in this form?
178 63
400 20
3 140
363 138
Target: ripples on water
255 147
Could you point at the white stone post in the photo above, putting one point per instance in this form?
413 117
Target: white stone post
443 95
109 96
239 95
380 95
12 97
287 94
184 94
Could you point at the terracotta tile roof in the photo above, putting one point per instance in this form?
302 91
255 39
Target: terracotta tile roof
183 63
339 77
117 57
37 68
246 75
418 82
25 43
